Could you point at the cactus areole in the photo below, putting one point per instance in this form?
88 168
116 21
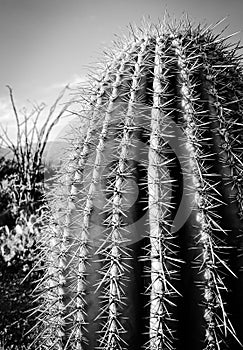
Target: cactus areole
143 249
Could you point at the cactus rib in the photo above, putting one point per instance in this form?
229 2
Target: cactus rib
213 283
115 254
161 288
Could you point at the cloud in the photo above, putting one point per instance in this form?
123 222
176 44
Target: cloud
74 81
6 113
7 121
3 104
4 107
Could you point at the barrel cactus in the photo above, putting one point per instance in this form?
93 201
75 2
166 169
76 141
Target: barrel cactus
143 247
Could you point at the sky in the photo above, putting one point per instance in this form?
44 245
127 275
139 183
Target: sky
46 44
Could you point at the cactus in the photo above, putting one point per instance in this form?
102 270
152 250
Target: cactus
162 136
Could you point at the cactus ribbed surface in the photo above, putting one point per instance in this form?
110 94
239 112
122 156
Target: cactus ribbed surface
163 135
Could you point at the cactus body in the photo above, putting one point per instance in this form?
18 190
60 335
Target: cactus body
124 270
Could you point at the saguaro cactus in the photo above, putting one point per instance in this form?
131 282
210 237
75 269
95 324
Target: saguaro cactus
144 243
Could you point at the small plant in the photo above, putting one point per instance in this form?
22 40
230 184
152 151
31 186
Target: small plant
28 150
22 195
165 127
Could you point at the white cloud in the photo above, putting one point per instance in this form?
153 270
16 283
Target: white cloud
4 108
6 113
7 121
74 81
3 104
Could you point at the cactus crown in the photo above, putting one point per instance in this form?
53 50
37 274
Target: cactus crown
139 251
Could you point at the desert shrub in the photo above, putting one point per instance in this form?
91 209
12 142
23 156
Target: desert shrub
22 189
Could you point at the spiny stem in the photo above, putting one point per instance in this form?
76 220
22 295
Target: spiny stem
206 201
115 253
161 288
170 75
223 118
98 163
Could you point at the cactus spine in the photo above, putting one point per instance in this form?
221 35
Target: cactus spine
118 273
